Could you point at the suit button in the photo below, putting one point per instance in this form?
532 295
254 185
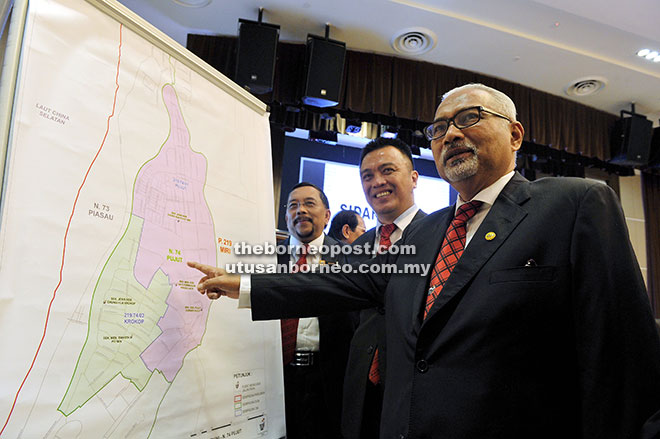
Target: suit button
370 349
402 436
422 366
381 310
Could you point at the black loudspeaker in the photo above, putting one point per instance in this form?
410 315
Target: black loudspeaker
324 62
631 143
256 55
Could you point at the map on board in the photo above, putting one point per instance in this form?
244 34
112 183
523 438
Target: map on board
123 165
139 321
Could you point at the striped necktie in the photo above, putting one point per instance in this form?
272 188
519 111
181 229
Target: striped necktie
384 243
450 252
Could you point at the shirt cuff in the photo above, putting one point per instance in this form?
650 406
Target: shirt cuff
244 298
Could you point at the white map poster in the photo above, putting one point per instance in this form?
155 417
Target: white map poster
123 164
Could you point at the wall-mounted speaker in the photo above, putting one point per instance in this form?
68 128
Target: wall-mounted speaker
256 55
324 64
631 141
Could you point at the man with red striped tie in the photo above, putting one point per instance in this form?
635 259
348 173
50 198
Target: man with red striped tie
388 179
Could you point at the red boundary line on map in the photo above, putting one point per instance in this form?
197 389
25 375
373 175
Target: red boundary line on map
66 233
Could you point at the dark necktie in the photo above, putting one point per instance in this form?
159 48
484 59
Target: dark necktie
289 327
384 243
450 252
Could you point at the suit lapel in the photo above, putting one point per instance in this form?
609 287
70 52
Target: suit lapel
504 216
427 244
418 216
367 237
329 258
284 258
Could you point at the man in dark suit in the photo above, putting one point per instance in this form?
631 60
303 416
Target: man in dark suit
534 322
346 227
388 179
314 367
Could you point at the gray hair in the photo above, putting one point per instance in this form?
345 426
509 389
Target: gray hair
502 102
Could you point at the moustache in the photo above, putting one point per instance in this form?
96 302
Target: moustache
457 147
301 218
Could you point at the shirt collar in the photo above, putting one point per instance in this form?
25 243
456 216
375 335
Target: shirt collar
317 242
404 219
488 195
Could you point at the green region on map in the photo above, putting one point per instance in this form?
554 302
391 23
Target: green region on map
123 322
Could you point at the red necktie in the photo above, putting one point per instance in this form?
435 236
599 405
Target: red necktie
386 231
384 243
289 327
450 252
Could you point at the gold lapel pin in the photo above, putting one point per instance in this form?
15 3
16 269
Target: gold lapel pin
490 236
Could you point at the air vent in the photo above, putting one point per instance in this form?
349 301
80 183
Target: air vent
414 41
586 86
192 3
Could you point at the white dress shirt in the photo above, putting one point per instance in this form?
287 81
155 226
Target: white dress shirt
308 328
401 222
308 335
487 196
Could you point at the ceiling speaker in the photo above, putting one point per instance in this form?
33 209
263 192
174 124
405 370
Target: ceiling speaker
256 55
324 62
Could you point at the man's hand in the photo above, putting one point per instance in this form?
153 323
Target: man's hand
216 281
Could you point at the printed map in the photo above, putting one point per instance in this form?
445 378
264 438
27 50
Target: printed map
124 164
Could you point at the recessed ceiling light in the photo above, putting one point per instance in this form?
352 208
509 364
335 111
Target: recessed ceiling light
651 55
192 3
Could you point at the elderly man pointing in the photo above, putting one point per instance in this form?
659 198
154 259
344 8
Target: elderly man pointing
534 321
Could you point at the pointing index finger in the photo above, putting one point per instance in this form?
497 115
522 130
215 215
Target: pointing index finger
206 269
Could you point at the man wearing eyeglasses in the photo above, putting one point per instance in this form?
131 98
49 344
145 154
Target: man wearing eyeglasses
315 349
534 321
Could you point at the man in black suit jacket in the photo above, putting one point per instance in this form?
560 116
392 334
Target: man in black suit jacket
313 380
542 330
388 179
346 227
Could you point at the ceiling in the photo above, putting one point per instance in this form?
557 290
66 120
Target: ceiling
543 44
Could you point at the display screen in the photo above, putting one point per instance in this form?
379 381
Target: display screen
335 169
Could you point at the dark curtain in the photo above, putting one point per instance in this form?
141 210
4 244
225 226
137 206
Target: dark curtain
414 90
651 200
368 83
277 145
219 52
397 91
289 76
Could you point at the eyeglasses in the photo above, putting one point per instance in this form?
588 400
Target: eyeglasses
463 119
294 205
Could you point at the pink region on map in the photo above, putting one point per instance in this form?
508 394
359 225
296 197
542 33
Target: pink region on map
169 196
